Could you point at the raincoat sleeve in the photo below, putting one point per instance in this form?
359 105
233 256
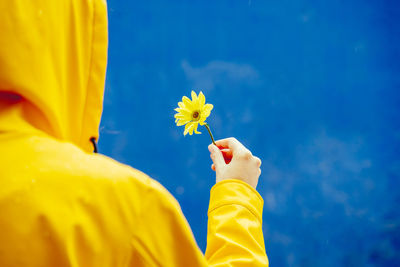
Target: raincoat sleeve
234 237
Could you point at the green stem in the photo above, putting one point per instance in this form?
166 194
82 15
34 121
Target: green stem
209 131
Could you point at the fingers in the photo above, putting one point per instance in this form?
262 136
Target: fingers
230 143
235 146
213 167
257 161
216 156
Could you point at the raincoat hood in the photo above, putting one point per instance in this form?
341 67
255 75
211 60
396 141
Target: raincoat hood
53 58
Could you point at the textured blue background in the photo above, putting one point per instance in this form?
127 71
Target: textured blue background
311 87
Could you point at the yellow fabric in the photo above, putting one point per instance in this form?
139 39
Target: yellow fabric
62 205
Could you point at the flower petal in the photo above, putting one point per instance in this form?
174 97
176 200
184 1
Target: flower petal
181 105
188 127
179 115
194 96
202 121
202 100
188 103
206 111
191 128
181 122
207 108
195 101
183 112
195 129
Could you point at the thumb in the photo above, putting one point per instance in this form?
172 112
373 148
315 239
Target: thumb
216 156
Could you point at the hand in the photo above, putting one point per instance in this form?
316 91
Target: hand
242 166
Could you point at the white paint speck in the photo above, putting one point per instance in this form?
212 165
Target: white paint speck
180 190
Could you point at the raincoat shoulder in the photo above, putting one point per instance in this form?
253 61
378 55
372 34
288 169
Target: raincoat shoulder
77 207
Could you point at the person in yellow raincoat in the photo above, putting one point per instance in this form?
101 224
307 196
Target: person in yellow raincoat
63 205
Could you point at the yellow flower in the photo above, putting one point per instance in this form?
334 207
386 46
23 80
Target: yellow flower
192 112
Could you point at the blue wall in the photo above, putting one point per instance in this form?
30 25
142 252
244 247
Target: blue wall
311 87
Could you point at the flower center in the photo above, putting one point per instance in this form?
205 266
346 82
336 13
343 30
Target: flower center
196 115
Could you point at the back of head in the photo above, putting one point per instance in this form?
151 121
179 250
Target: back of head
53 58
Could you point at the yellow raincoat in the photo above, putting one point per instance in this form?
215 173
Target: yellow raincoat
63 205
